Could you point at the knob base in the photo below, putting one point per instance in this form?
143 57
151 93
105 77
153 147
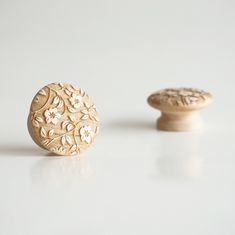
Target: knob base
181 121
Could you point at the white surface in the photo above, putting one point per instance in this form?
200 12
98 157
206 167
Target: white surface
134 180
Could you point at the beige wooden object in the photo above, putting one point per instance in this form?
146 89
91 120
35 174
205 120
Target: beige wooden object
63 119
179 108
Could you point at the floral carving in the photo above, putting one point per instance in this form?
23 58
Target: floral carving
181 96
64 119
52 115
86 134
76 101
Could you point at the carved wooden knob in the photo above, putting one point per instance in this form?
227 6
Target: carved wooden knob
179 108
63 119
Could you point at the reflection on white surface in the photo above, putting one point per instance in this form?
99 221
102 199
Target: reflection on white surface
179 156
61 171
184 166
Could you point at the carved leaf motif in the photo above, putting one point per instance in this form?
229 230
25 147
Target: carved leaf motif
61 103
75 88
72 110
82 92
46 141
52 149
72 118
63 140
70 89
69 140
84 111
39 119
179 103
87 105
69 127
193 100
43 132
187 100
73 148
36 100
42 92
85 117
65 123
61 84
56 100
51 132
96 118
35 123
67 92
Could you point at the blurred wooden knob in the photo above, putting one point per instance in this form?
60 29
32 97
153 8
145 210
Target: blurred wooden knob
179 108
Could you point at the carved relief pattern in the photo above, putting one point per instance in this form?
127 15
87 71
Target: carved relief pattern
181 96
64 119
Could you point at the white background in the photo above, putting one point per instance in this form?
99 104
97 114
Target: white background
134 179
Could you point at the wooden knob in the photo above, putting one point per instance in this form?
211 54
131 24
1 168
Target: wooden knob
63 119
180 108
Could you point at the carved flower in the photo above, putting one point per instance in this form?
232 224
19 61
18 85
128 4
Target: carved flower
52 115
86 134
76 101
